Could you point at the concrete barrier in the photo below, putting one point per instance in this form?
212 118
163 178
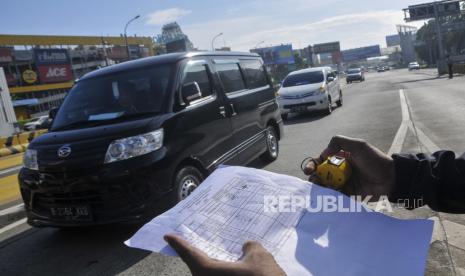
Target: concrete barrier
18 143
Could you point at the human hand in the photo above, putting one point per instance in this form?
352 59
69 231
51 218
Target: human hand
256 261
373 172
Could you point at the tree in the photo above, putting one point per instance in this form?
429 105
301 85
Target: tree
454 41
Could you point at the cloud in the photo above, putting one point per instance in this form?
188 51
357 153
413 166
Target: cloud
164 16
352 30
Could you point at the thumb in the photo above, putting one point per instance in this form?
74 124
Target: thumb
250 248
193 257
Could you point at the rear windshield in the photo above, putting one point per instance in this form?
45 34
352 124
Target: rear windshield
353 71
304 78
116 96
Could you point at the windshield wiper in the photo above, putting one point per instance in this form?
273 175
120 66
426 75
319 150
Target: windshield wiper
77 124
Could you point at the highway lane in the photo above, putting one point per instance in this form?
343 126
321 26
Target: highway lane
371 111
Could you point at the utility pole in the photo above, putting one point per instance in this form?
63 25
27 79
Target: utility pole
441 63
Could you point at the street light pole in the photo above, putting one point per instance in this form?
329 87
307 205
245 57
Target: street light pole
125 35
213 40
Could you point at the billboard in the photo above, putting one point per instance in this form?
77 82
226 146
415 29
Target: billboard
326 47
117 52
276 55
429 10
23 55
6 55
392 40
361 53
51 56
55 73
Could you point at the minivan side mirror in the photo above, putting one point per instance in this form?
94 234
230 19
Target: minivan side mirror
52 113
330 79
190 92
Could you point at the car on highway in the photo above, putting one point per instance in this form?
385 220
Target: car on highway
41 122
380 69
413 66
312 89
136 137
355 74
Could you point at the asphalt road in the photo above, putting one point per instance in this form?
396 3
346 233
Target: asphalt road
372 111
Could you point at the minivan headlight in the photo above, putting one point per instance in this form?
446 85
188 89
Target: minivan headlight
322 89
30 159
129 147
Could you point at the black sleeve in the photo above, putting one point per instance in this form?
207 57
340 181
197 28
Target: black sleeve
437 180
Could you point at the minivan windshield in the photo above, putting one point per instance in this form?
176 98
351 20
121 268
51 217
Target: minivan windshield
304 78
122 95
354 71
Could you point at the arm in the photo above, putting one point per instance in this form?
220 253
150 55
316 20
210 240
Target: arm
437 180
412 180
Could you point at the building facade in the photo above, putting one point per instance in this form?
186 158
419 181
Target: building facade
40 70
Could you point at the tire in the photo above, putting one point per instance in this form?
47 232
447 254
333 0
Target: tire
272 145
329 109
340 101
284 116
186 180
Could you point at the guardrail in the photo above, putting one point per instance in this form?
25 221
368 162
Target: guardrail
18 143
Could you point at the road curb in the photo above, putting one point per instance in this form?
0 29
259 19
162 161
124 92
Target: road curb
12 214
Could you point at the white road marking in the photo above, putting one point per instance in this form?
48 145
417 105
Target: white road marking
13 225
12 209
406 124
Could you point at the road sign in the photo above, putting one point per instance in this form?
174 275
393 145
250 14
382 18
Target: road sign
327 47
427 10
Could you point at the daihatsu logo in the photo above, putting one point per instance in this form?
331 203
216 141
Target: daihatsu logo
64 151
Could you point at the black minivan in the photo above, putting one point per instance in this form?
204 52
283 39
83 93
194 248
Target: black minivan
140 134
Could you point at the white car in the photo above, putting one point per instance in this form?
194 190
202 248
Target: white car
36 123
413 66
309 90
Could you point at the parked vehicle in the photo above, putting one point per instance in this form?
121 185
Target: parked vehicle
41 122
413 66
308 90
138 136
355 74
381 69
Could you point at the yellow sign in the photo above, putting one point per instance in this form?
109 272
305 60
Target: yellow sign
29 76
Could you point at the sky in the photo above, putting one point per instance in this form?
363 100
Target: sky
244 23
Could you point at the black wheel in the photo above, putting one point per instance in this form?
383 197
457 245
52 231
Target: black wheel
340 100
187 179
329 109
272 145
284 116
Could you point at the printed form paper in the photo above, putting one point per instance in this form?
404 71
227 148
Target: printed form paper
228 209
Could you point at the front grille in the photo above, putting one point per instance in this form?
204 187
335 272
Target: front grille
300 96
83 155
299 105
44 200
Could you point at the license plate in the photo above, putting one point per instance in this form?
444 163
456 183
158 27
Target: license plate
72 213
298 109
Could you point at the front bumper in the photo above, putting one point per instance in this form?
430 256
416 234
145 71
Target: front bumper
354 78
312 103
126 192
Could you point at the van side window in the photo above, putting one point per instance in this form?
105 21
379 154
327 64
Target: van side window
254 73
197 71
230 76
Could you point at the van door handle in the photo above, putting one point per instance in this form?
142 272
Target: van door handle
222 111
232 110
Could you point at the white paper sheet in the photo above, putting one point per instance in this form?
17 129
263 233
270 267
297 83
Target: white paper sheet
228 209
